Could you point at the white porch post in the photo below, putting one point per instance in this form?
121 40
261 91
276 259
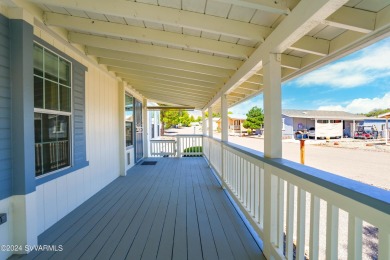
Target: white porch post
224 133
387 130
122 133
272 107
204 122
224 119
272 144
210 110
145 126
155 116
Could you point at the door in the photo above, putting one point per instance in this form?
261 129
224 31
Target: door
139 143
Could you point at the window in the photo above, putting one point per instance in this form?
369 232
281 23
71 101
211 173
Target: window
322 121
129 119
52 110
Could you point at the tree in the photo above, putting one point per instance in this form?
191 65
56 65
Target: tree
214 114
254 118
376 112
175 117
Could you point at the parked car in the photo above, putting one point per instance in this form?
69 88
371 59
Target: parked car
365 132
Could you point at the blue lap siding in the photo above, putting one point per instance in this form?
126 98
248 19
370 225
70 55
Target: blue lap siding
5 111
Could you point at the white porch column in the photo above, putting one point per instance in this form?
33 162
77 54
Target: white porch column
145 126
204 122
272 107
224 119
122 133
156 123
387 130
210 110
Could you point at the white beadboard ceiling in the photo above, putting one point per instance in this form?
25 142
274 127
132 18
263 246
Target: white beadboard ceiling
190 52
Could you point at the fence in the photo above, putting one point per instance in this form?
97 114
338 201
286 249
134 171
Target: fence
292 206
181 145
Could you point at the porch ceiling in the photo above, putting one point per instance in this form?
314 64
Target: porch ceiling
189 52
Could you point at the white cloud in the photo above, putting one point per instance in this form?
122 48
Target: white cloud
359 69
361 105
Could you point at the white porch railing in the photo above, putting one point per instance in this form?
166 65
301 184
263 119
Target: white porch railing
282 199
181 145
162 148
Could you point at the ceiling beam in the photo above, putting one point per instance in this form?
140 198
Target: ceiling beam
169 108
257 79
292 62
140 86
168 16
312 45
162 71
177 95
172 99
146 34
174 77
270 6
303 18
151 50
174 80
121 59
234 94
250 86
146 83
352 19
163 81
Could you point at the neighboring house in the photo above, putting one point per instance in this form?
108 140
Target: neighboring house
235 123
326 123
385 128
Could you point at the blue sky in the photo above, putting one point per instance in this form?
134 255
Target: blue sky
357 83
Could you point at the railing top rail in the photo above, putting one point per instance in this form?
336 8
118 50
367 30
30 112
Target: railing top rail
163 140
366 194
190 135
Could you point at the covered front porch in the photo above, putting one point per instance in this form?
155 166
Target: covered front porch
174 209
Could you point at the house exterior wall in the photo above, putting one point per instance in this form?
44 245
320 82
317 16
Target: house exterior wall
5 111
288 129
58 197
95 138
5 136
302 123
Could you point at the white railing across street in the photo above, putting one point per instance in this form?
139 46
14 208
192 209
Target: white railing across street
284 202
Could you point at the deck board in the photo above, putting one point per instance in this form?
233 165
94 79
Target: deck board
172 210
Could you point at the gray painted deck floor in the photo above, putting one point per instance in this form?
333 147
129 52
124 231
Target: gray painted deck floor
172 210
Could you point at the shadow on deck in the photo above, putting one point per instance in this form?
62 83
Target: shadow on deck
172 210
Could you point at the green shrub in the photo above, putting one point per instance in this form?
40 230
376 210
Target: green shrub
193 149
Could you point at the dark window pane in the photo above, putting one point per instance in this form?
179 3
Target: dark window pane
38 127
51 95
38 92
64 99
62 128
49 157
38 160
63 154
64 72
49 124
38 60
129 133
129 119
51 66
